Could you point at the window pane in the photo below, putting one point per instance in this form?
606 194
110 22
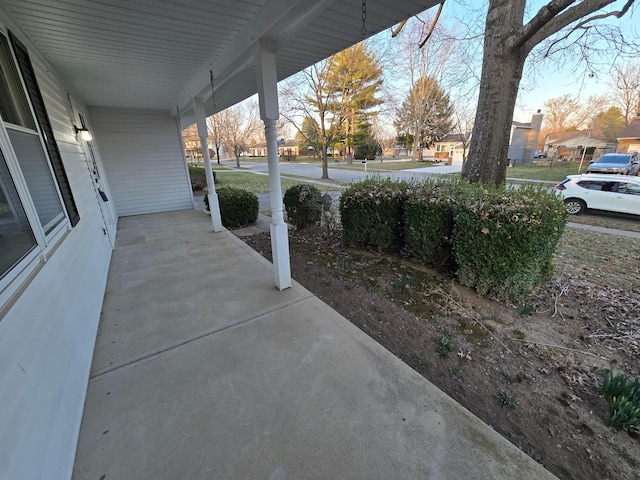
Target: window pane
13 102
35 169
16 237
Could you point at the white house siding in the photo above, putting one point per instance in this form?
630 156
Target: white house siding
47 335
142 154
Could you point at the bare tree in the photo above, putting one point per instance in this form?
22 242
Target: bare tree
308 104
426 74
191 141
238 125
625 87
558 111
214 131
557 27
567 111
463 116
384 136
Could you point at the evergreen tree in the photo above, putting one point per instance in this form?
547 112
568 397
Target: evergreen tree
355 74
609 123
332 94
426 113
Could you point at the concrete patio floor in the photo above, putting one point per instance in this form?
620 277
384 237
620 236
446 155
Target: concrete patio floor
203 370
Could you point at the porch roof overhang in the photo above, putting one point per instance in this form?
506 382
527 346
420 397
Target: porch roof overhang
158 54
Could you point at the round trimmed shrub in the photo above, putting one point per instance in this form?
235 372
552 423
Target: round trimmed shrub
238 208
371 213
304 205
199 178
504 239
429 213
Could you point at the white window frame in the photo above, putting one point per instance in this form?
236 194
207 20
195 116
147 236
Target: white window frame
15 277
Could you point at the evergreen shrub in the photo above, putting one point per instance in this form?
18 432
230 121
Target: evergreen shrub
504 239
429 213
199 178
238 208
371 213
303 204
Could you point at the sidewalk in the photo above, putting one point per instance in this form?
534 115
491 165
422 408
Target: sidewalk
203 370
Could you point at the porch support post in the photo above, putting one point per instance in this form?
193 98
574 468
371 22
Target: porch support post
268 97
214 205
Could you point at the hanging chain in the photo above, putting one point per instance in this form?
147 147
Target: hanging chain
363 30
213 91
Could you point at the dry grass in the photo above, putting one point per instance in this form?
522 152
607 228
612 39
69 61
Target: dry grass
619 221
600 258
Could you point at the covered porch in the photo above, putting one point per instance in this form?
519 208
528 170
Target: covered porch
202 372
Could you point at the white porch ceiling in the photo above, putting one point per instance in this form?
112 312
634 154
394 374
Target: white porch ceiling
157 54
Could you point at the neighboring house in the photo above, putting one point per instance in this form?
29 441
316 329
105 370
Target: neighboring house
629 138
286 147
132 73
523 141
450 149
569 145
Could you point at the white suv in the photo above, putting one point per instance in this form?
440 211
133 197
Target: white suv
615 193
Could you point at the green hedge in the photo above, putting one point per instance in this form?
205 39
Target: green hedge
198 178
238 208
504 239
303 204
371 213
501 240
428 215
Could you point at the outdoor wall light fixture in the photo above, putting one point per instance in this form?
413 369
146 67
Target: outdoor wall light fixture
85 134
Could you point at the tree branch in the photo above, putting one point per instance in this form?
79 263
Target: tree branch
574 14
542 18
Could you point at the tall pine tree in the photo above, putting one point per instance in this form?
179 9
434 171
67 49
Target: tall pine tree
426 113
356 76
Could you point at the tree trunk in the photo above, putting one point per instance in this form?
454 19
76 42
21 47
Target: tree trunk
237 160
501 74
218 153
325 167
324 162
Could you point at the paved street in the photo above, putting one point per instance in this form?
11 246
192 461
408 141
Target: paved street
342 174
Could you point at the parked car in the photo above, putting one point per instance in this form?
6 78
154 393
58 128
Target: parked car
539 154
620 163
615 193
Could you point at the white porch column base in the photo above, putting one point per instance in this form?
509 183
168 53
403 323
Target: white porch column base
214 204
214 208
268 99
280 252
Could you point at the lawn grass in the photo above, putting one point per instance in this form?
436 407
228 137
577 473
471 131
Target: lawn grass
619 221
337 184
257 183
545 171
598 257
387 165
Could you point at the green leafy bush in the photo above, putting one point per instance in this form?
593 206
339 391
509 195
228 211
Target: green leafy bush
623 395
303 204
199 178
428 214
504 239
371 213
367 151
238 208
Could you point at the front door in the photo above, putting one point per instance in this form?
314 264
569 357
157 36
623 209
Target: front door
96 171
